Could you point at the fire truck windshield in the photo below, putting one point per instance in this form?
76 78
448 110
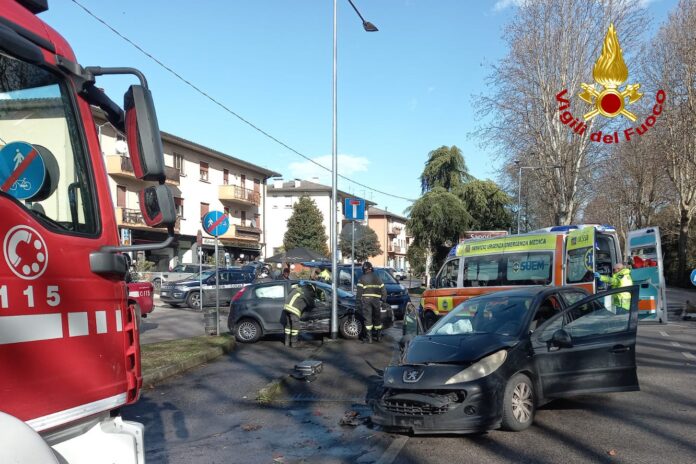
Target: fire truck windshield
42 160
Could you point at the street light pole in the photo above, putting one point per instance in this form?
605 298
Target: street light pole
369 27
519 186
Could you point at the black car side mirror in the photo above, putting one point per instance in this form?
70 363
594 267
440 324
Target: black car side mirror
561 339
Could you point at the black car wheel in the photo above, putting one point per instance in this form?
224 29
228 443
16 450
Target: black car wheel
193 300
518 404
247 331
350 327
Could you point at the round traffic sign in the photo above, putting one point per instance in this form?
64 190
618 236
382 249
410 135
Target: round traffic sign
22 170
693 277
216 223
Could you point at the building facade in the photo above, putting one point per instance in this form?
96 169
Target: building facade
201 180
282 195
391 232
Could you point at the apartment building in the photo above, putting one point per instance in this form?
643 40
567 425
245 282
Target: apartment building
391 232
282 195
201 180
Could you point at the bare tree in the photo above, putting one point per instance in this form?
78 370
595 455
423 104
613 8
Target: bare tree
553 45
672 67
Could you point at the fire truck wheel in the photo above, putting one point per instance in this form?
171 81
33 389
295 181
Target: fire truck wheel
247 331
194 300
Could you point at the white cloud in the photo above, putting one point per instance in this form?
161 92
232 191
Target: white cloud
347 165
500 5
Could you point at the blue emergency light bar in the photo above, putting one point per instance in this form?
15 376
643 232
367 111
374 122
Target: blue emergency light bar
563 228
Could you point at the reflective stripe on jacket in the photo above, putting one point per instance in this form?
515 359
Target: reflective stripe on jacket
371 286
618 280
296 302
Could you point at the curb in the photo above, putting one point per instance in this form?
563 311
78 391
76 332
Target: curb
155 377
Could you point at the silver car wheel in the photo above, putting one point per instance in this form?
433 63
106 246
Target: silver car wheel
522 402
352 328
246 331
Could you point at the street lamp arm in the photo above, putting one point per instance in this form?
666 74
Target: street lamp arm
367 25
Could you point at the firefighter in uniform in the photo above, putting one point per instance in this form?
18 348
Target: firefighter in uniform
325 275
620 278
371 293
300 299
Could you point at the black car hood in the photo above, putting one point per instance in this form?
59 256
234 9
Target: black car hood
455 348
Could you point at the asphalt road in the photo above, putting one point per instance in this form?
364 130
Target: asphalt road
209 414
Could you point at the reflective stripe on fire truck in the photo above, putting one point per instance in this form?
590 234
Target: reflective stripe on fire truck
78 412
38 327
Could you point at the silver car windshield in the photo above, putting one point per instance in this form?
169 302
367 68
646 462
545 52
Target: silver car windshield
502 315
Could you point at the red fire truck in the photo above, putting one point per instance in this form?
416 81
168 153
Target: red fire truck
69 344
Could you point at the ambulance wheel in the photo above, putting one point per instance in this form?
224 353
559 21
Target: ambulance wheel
519 403
247 331
350 327
429 320
193 300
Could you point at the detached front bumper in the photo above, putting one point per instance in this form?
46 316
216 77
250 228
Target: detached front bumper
464 408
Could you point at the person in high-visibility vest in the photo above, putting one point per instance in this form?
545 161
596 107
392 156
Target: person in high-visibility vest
370 295
325 275
301 298
620 278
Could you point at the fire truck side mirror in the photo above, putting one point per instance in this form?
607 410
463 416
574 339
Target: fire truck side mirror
157 206
143 134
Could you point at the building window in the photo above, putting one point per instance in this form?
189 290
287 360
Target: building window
179 205
204 171
120 196
243 216
226 210
225 177
179 163
242 180
205 207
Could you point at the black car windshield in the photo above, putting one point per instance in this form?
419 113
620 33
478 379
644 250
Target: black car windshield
502 315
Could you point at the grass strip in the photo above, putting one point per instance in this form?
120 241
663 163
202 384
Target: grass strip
156 356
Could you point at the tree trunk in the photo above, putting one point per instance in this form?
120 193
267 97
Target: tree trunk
682 250
428 264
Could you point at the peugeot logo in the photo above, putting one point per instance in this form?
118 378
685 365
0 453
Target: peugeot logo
412 375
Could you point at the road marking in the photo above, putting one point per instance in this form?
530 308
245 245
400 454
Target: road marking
676 344
393 451
688 355
663 333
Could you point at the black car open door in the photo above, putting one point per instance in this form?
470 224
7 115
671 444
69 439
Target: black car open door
589 347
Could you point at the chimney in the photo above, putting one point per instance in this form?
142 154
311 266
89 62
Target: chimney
298 182
278 183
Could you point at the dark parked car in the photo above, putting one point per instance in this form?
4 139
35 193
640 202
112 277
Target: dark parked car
187 291
257 310
495 358
397 295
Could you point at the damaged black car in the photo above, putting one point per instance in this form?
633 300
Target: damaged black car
494 359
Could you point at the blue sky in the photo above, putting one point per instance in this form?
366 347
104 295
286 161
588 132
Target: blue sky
402 91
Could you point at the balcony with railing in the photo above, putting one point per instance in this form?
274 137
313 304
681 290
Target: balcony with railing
133 219
394 229
239 195
391 248
122 166
247 234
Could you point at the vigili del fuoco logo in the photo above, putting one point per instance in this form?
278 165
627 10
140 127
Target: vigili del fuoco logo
609 100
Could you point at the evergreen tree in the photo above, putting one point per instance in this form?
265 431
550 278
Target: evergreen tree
306 227
366 242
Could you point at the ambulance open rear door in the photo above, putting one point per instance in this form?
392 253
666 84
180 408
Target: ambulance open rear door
580 259
644 254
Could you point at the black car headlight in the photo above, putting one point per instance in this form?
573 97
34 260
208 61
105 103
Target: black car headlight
479 369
